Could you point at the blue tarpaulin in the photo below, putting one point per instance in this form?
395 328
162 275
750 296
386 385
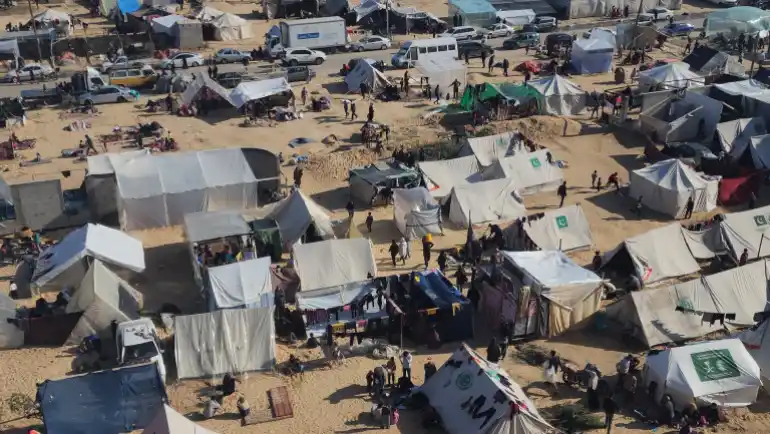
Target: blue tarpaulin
106 402
455 315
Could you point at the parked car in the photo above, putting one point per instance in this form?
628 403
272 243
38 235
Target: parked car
296 56
25 73
178 60
106 95
678 29
122 62
497 30
545 24
134 77
231 79
662 14
231 55
473 49
460 33
299 73
521 40
371 43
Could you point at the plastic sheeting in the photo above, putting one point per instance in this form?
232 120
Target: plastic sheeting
564 229
675 75
442 175
61 265
225 341
245 283
166 23
296 214
746 230
667 185
230 27
486 201
737 20
489 149
467 373
560 95
105 164
253 90
549 269
720 372
111 401
530 172
329 263
416 213
335 297
365 72
208 14
10 335
170 421
592 56
735 136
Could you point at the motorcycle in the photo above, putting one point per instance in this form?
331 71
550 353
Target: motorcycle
572 376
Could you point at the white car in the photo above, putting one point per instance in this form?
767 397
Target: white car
26 72
121 62
662 14
178 59
106 95
371 43
296 56
497 30
460 33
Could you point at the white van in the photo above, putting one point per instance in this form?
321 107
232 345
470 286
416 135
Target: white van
436 48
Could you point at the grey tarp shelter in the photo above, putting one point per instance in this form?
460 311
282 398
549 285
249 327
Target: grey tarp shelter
203 82
332 263
365 72
101 185
442 175
10 46
560 95
734 136
224 341
530 171
485 202
254 90
366 182
675 75
240 284
488 149
416 213
298 216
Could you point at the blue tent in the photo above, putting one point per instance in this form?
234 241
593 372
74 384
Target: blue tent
105 402
592 56
444 305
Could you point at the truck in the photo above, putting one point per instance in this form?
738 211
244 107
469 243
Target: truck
81 82
137 342
326 34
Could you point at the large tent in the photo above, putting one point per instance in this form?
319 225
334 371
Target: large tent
486 201
442 175
757 342
705 61
230 27
201 82
746 96
467 376
673 75
531 172
560 95
720 372
416 212
254 90
592 56
488 149
734 136
165 24
224 341
66 263
300 217
331 263
747 230
50 16
101 185
170 421
443 71
736 20
10 335
564 229
158 191
208 14
667 185
241 284
365 72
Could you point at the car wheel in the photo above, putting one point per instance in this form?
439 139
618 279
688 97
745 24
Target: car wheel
319 61
195 64
359 49
293 62
15 80
384 47
121 99
221 61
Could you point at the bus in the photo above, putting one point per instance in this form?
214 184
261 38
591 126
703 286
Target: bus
433 49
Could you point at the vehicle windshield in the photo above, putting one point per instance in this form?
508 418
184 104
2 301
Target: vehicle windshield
402 51
139 352
492 27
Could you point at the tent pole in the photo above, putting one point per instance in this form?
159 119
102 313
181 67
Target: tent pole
761 238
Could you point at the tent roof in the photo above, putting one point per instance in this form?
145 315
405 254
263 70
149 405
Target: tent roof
551 268
203 81
597 44
438 289
208 13
488 149
170 421
330 263
672 174
105 164
296 213
757 342
443 175
562 229
229 20
100 242
469 7
212 225
365 72
252 90
432 66
528 170
735 135
243 283
167 21
556 85
743 87
674 74
51 15
746 229
334 297
486 201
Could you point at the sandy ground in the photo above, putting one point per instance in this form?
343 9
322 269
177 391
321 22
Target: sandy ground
324 401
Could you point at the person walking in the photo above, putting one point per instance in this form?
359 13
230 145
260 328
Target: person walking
688 208
483 58
353 114
437 94
393 250
403 250
562 193
370 115
491 67
467 61
345 106
303 95
594 175
298 172
406 364
455 89
351 209
427 245
369 223
610 407
405 84
442 260
390 368
506 65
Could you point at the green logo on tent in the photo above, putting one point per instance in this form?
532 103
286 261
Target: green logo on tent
686 305
714 365
464 381
561 222
760 220
535 162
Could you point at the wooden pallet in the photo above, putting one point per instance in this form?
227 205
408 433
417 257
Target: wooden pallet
280 408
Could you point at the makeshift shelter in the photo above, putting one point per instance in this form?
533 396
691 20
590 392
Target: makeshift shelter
735 136
443 72
477 13
564 229
516 18
208 14
11 336
744 96
224 341
204 85
760 151
158 191
51 16
708 61
486 201
667 185
67 263
10 46
757 342
101 185
592 56
442 175
165 24
102 297
110 401
571 293
240 284
416 213
254 90
188 34
170 421
737 20
467 375
720 372
489 149
747 230
365 72
530 172
300 218
676 117
674 75
560 96
332 263
367 182
506 93
230 27
317 305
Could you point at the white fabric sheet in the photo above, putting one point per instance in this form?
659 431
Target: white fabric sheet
330 263
365 72
416 213
667 185
208 14
170 421
560 95
734 136
105 164
563 229
550 268
253 90
442 175
338 296
489 149
486 201
531 172
244 283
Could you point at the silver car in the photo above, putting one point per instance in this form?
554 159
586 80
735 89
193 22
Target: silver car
497 30
106 95
25 73
371 43
231 55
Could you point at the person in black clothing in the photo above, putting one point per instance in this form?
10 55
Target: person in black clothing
474 296
442 259
90 145
173 67
437 94
688 208
527 76
393 250
596 263
744 257
506 65
610 407
553 362
493 351
460 278
298 172
351 208
170 103
353 114
228 385
562 193
370 116
215 72
467 62
370 222
455 89
211 72
426 246
483 58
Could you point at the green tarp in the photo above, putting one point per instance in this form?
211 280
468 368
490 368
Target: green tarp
508 91
267 235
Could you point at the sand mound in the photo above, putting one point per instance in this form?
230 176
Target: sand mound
335 166
543 127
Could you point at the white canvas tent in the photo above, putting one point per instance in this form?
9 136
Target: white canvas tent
442 175
158 191
560 95
50 16
675 75
757 342
720 372
298 213
103 297
531 172
230 27
592 56
734 136
241 284
330 263
416 213
166 23
10 335
365 72
228 340
667 185
467 375
170 421
564 229
254 90
486 201
66 263
208 14
443 72
746 230
489 149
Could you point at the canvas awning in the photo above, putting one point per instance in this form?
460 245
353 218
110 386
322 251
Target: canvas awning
331 263
254 90
244 283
